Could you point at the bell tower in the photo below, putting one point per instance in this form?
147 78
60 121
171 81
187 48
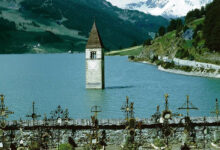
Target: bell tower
95 62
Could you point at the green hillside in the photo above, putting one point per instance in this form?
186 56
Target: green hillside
194 38
60 26
186 40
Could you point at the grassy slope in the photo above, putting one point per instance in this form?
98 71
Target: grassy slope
30 32
79 16
168 45
73 26
18 18
71 21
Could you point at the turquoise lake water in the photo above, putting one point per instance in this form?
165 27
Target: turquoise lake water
59 79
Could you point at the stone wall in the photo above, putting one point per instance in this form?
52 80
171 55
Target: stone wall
195 64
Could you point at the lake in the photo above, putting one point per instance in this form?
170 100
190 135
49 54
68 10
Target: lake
59 79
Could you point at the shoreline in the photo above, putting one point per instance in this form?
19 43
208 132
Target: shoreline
181 72
198 74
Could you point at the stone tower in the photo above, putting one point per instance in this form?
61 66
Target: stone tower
95 74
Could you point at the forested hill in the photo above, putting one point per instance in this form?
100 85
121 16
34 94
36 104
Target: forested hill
212 26
63 25
197 38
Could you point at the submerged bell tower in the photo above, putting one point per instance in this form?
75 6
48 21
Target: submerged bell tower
95 62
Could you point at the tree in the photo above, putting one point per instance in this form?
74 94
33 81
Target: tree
198 28
211 30
147 42
172 25
185 28
162 31
194 14
6 25
182 53
48 11
179 26
175 24
66 147
202 11
134 44
156 36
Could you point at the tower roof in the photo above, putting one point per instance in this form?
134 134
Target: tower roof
94 40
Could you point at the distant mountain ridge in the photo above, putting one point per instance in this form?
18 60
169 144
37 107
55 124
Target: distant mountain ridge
165 8
69 23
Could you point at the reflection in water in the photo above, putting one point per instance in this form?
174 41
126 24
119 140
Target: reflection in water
95 98
95 95
119 87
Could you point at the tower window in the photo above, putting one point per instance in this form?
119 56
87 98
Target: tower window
93 55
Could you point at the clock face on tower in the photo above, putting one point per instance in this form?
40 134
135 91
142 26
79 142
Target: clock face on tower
92 65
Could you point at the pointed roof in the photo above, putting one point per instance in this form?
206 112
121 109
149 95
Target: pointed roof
94 40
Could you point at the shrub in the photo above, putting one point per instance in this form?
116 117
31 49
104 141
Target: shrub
158 142
147 42
167 65
191 57
65 147
155 58
131 57
182 53
186 68
158 62
211 70
34 146
202 69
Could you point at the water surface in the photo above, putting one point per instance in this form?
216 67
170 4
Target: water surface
59 79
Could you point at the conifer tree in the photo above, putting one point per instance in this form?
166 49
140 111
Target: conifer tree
162 31
212 26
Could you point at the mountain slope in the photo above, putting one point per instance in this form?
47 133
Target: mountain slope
70 21
165 8
186 46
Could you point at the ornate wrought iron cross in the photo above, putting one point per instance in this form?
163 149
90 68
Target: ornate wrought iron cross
96 110
34 116
128 108
216 112
4 112
188 106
